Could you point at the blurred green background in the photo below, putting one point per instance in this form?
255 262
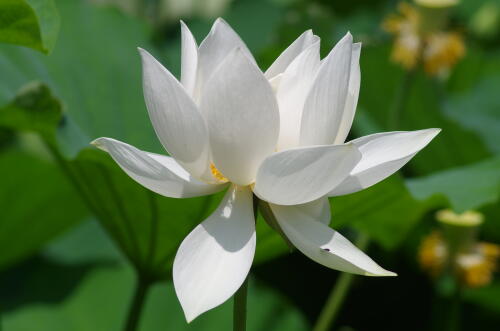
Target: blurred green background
71 222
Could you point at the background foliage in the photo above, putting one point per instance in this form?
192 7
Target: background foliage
71 221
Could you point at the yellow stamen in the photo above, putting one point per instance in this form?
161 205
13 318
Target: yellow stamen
432 253
407 42
443 51
476 269
437 50
217 174
489 250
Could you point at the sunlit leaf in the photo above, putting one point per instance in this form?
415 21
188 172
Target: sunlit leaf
30 23
466 187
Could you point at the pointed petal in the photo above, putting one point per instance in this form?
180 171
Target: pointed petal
352 96
158 173
243 118
189 63
301 175
324 245
325 103
300 44
382 155
177 122
292 92
215 258
220 41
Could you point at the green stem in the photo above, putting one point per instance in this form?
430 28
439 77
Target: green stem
339 292
240 307
400 100
240 297
137 304
454 309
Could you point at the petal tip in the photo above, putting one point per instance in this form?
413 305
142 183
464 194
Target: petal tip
382 273
189 316
431 133
220 20
436 130
97 143
143 53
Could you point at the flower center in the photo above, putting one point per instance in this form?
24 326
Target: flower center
217 174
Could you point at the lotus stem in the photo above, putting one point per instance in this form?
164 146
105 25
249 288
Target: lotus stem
137 304
240 307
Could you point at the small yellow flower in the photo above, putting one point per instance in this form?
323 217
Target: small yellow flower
476 269
432 254
437 50
443 50
454 249
407 43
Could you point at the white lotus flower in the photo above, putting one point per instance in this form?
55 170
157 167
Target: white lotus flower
278 134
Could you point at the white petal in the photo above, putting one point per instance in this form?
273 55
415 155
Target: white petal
220 41
325 103
301 175
292 92
382 155
215 258
324 245
177 122
189 63
352 96
275 82
243 118
300 44
318 210
158 173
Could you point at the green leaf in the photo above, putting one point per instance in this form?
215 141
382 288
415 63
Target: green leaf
478 110
30 23
386 211
38 201
38 204
73 247
100 303
467 187
34 109
487 297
